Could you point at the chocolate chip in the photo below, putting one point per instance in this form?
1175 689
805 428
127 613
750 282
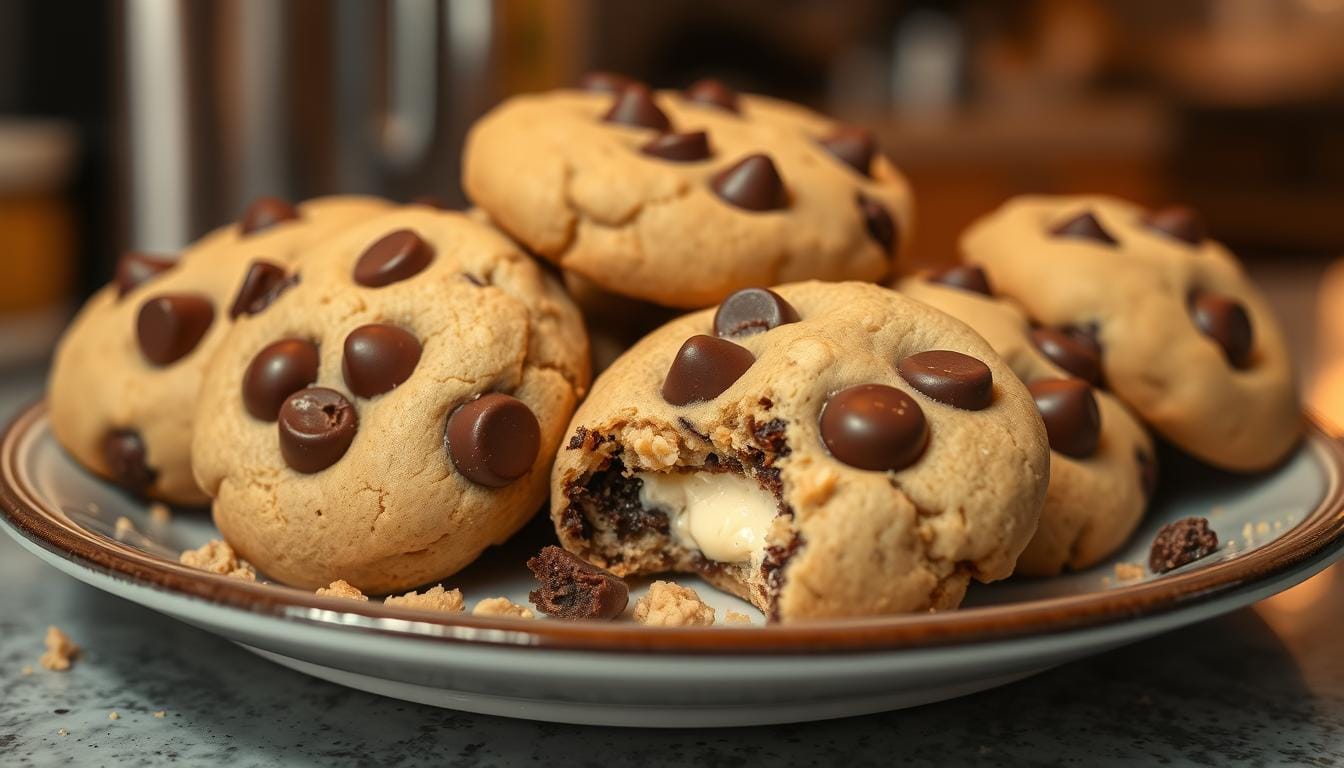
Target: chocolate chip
1070 349
965 277
1084 226
878 220
316 427
1226 321
1147 473
279 370
751 183
135 268
873 426
678 147
493 440
1181 543
703 368
378 357
751 311
714 93
171 325
262 284
1177 221
634 106
266 212
573 589
127 460
604 82
853 146
950 377
1069 409
394 257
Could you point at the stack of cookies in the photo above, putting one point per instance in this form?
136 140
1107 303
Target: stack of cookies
370 394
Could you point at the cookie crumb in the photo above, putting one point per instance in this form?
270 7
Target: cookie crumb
61 650
1248 533
1180 543
216 556
672 605
574 589
113 715
27 670
1128 571
160 714
62 732
503 607
341 588
1262 528
124 528
734 617
160 513
432 599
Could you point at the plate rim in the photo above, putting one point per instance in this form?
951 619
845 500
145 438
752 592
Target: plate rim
1318 535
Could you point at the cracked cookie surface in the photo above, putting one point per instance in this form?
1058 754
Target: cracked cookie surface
672 199
394 413
123 386
803 471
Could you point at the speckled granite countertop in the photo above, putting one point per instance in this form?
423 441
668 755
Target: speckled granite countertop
1263 686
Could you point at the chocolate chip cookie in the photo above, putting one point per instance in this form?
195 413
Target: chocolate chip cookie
394 413
820 449
681 198
1144 304
123 385
1102 462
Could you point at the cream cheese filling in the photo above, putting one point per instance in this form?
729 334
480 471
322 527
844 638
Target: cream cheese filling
724 515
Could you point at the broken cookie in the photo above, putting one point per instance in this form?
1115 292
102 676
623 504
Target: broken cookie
574 589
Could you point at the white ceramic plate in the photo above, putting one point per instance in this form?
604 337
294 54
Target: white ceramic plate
1277 530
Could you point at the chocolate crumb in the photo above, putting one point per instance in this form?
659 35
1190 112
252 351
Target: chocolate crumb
1181 542
580 437
574 589
609 494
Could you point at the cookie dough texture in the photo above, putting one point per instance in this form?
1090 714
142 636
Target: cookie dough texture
667 604
846 542
577 191
1136 294
393 512
100 381
1093 504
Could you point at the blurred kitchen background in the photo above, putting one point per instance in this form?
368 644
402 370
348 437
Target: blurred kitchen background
143 123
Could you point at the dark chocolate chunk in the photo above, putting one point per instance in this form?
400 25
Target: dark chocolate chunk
1181 543
950 377
493 440
1084 226
678 147
1069 409
170 325
279 370
378 357
573 589
1072 349
394 257
1226 321
873 426
965 277
881 226
316 427
751 311
262 284
1147 473
604 82
704 367
266 212
714 93
127 460
751 183
135 268
1177 221
610 496
634 106
853 146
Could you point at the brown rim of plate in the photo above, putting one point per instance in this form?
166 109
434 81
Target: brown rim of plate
1316 539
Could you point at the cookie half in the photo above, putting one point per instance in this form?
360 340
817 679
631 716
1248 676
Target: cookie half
1103 468
394 413
681 198
124 381
773 446
1144 304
